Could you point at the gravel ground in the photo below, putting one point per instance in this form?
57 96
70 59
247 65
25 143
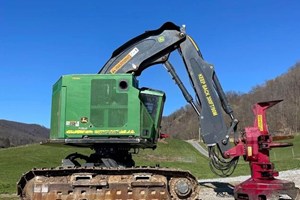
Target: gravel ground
222 188
196 145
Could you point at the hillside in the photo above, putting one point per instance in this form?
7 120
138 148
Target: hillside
16 133
283 118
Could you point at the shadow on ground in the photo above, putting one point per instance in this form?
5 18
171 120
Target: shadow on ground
221 189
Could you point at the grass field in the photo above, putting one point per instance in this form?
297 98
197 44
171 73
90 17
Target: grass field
175 153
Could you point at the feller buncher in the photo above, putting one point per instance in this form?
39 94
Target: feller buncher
110 113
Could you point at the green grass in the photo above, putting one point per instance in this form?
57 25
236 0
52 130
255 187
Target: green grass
288 157
174 154
18 160
180 154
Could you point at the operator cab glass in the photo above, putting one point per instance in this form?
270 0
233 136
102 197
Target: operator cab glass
153 100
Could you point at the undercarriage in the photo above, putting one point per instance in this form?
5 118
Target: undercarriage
109 173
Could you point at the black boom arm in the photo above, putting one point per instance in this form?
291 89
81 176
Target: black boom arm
154 47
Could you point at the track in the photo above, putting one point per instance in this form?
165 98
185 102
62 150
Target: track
108 183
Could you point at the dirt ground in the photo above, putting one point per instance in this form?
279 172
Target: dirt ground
222 188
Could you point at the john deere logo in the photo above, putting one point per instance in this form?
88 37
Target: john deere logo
84 120
161 39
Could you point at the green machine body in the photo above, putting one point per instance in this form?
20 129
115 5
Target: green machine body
105 109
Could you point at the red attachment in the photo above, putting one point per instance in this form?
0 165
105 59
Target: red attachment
163 135
259 110
256 146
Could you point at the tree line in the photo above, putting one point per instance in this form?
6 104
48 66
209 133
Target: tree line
16 133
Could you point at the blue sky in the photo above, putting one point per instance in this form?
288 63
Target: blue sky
249 42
